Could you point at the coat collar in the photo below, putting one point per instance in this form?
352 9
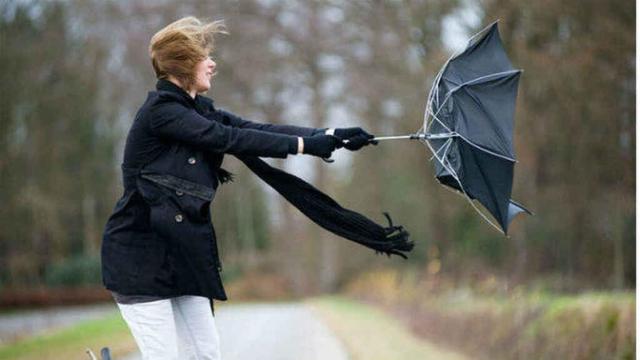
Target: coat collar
166 85
199 101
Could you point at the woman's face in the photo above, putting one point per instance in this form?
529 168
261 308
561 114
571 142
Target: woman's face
205 70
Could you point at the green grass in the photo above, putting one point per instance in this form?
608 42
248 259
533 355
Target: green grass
70 343
371 334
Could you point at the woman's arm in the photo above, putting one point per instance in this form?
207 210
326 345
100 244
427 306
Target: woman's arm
238 122
173 121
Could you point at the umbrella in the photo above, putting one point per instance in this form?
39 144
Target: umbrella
468 126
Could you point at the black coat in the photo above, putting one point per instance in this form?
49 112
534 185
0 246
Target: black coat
159 240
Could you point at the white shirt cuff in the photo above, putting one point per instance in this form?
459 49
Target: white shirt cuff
300 145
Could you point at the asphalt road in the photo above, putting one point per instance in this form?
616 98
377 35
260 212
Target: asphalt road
282 331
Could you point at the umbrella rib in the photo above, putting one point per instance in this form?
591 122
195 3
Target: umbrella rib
483 215
435 117
484 78
443 146
434 94
485 150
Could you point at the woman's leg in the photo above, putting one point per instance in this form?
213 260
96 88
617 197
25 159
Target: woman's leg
196 328
153 327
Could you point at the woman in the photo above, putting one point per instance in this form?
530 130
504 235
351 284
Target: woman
159 251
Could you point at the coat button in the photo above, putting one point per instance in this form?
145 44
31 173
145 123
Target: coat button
179 193
192 160
178 218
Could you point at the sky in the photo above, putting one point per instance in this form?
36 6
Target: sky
456 27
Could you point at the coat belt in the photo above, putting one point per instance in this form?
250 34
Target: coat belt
130 175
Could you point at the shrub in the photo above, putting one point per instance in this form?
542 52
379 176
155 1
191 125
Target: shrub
77 270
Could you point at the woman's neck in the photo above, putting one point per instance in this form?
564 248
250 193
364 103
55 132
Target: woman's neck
191 93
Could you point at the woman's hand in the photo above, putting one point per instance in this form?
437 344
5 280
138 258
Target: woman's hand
354 138
320 145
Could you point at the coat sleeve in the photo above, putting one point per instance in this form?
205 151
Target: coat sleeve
238 122
175 122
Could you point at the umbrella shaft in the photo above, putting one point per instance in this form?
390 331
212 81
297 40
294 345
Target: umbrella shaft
399 137
415 137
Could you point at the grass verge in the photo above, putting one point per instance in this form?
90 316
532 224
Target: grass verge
70 343
371 334
510 323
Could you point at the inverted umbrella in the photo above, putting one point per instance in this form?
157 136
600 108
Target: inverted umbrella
468 126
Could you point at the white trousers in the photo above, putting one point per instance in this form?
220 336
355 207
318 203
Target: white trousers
171 329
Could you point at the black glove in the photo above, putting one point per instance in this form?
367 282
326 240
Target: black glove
355 138
320 145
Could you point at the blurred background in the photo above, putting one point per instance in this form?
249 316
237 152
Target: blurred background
75 72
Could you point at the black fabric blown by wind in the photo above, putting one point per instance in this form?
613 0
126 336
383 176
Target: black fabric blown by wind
327 213
469 125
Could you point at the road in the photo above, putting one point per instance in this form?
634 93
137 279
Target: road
282 331
278 331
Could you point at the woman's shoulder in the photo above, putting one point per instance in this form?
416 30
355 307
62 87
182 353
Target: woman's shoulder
161 103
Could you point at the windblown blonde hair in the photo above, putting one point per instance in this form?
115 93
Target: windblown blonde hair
177 48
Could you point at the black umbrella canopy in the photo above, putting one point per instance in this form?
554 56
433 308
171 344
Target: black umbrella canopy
469 125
